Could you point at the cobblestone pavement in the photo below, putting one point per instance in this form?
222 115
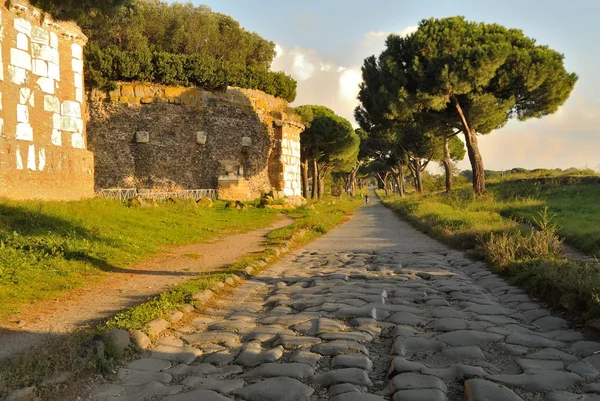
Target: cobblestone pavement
372 311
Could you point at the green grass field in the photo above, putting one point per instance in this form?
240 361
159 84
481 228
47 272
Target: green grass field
49 247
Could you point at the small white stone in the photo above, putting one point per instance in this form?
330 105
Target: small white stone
40 67
22 42
79 95
46 85
22 113
39 35
53 71
41 159
51 103
24 132
19 158
53 40
31 158
77 141
78 80
21 59
56 137
24 94
77 65
71 109
77 51
23 26
56 121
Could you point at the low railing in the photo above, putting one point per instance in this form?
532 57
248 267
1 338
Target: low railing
123 194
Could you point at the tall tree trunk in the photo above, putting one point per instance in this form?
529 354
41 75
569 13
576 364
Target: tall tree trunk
447 164
418 179
321 185
352 179
304 171
399 178
315 180
472 150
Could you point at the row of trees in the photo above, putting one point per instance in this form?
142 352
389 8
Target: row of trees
171 44
454 77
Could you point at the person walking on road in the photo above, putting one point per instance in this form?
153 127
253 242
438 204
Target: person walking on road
367 198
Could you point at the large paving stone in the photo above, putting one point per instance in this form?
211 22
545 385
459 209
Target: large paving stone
204 395
467 353
401 365
565 396
306 357
212 337
184 354
540 364
154 389
552 354
349 375
484 390
420 395
254 355
546 380
352 361
130 377
294 370
490 310
407 346
405 318
149 365
548 323
209 383
276 389
533 341
318 326
359 336
337 347
356 396
413 381
294 342
468 337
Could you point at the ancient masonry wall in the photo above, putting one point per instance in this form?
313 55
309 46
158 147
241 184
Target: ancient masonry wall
42 131
150 136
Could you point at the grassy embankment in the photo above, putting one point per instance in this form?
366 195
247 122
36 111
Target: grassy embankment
47 248
71 353
498 227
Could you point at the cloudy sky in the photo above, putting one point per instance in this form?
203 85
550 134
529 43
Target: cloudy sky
322 44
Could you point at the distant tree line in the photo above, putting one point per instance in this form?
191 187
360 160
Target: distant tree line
171 44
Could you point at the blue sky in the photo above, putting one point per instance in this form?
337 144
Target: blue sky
322 43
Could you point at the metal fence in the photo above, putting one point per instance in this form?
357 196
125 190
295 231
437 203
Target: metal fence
123 194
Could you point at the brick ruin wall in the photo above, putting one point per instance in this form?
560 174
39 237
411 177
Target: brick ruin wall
42 131
151 136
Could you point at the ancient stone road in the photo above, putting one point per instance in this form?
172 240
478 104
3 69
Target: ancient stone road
372 311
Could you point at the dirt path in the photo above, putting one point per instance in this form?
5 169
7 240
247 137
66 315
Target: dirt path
124 288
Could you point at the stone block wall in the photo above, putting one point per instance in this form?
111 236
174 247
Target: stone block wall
42 130
152 136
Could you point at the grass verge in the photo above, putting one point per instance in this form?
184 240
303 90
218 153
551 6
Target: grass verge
529 256
47 248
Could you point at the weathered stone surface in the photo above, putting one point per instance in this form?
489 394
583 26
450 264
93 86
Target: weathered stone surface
216 337
293 342
543 381
407 346
254 355
420 395
405 318
348 375
484 390
140 339
552 354
306 357
413 381
548 323
208 383
276 389
149 365
565 396
533 341
352 361
184 354
540 364
294 370
468 337
131 377
343 388
204 395
332 348
157 326
401 365
467 353
591 388
23 394
356 396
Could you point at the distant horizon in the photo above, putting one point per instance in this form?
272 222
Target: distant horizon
322 44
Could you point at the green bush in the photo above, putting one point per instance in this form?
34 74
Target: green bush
105 66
